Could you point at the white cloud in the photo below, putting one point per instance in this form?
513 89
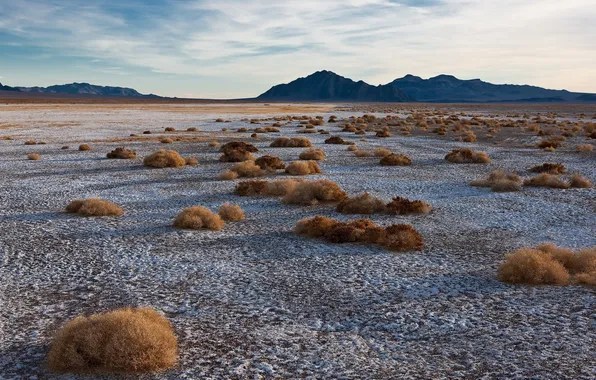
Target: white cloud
546 42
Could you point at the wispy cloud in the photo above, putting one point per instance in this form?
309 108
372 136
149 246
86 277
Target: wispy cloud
545 42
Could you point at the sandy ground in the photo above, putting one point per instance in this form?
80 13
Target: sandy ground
257 301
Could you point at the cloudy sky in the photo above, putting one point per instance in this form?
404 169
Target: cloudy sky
238 48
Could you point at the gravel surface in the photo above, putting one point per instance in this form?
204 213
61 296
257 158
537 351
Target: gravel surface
256 301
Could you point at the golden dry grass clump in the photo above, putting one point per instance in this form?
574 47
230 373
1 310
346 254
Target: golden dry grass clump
362 153
500 181
122 153
549 168
33 156
191 161
237 151
227 175
84 147
361 204
314 192
260 187
312 154
335 140
94 207
467 156
382 152
213 144
30 142
129 340
247 169
396 160
580 182
546 180
198 217
294 142
551 265
231 213
170 129
552 142
166 140
584 148
164 159
303 168
270 163
402 206
383 133
397 237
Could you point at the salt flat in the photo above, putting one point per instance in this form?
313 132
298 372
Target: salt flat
257 301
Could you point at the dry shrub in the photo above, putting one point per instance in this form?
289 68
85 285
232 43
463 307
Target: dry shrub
237 151
402 206
500 181
65 147
281 187
312 154
352 148
397 237
213 144
553 142
247 169
33 156
227 175
164 159
382 152
170 129
166 140
467 156
94 207
546 180
124 340
362 153
198 217
580 182
231 213
84 147
549 264
383 133
270 163
303 168
361 204
549 168
253 187
191 161
468 136
334 140
294 142
192 129
122 153
314 192
396 160
584 148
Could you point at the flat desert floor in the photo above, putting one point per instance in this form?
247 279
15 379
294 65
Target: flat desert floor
256 300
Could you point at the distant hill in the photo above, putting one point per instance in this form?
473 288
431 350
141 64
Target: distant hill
86 89
328 86
8 88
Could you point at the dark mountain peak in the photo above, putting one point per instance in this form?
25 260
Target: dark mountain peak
444 77
8 88
77 88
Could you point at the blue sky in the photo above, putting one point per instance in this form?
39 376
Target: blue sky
238 48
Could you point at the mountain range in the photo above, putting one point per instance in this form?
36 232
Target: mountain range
328 86
325 85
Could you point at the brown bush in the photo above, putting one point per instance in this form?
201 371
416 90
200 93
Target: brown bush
468 136
303 168
383 133
281 187
352 148
191 161
253 187
396 160
237 146
247 169
170 129
198 217
213 144
580 182
84 147
467 156
236 156
94 207
147 132
362 153
270 163
294 142
546 180
549 264
164 159
401 206
30 142
312 154
122 153
334 140
399 237
124 340
65 147
231 213
548 168
500 181
192 129
553 142
361 204
313 192
33 156
584 148
382 152
166 140
227 175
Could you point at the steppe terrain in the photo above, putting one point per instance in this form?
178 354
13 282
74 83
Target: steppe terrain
256 300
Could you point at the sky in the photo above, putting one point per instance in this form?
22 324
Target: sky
238 48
